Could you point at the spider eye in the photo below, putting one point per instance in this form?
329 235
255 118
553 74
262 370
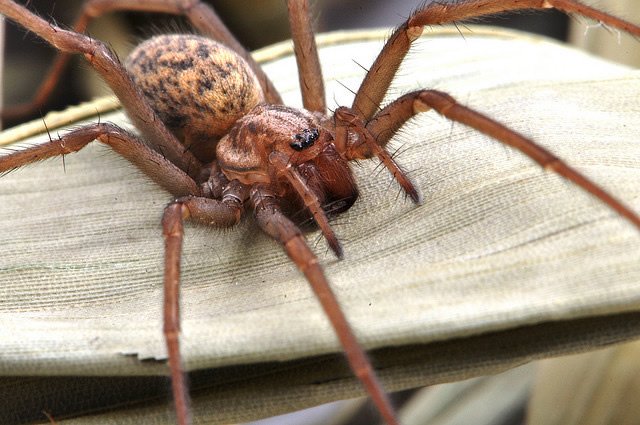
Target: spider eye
305 139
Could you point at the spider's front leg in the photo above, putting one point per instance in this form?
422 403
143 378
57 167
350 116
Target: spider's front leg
385 123
376 83
365 145
225 212
373 136
275 224
373 127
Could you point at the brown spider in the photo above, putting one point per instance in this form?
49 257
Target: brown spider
275 159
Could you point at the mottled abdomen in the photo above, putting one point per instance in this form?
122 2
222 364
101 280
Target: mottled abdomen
199 88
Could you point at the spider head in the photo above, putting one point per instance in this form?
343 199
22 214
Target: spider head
304 139
293 153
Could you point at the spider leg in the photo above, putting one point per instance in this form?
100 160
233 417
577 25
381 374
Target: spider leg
114 74
279 227
129 146
201 15
403 108
377 81
366 146
304 44
212 212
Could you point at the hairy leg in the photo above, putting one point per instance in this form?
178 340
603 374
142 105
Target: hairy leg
384 124
366 146
374 126
279 227
212 212
377 81
129 146
304 43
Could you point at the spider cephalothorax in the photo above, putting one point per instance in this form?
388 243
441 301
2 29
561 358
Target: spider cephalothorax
214 133
270 133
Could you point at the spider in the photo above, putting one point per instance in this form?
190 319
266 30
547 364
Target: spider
273 159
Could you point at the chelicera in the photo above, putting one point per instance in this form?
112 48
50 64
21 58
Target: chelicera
214 133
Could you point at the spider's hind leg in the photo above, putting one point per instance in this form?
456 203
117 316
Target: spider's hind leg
103 61
126 144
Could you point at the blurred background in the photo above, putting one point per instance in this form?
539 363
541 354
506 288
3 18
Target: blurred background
28 58
498 400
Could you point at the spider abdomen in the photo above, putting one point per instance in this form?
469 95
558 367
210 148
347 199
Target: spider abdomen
199 88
